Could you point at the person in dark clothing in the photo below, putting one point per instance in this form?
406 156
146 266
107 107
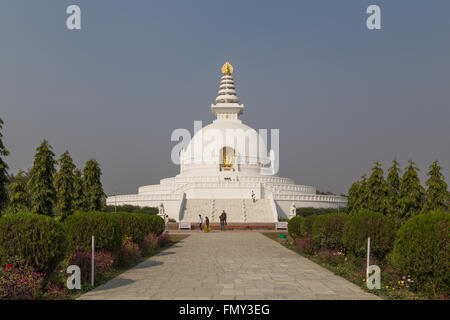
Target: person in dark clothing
223 220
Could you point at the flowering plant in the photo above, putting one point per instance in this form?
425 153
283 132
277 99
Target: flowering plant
20 283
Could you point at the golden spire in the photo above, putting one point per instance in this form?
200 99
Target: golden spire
227 68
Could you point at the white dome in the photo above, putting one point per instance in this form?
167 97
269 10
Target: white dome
206 149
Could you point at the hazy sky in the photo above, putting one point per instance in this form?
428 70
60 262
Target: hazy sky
341 95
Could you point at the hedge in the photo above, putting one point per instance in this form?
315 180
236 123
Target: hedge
359 227
132 225
153 223
37 240
132 209
294 226
81 226
306 226
421 249
327 230
308 211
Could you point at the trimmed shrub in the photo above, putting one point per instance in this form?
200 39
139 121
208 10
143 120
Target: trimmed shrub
149 245
378 227
38 240
132 225
81 226
306 226
153 223
305 244
308 211
421 249
20 283
327 230
103 263
132 209
294 226
128 254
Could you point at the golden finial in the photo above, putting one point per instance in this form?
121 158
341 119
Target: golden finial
227 68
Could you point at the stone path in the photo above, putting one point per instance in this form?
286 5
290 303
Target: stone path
228 265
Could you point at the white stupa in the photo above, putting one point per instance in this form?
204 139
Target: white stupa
226 166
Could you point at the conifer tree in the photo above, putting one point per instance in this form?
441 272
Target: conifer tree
94 197
18 196
364 194
353 197
411 194
78 197
357 195
4 179
393 182
41 181
64 183
437 195
377 190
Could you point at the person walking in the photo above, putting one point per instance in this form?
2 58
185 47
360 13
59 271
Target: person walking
166 222
223 220
200 222
253 197
206 227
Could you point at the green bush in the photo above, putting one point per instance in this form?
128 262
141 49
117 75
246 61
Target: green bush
308 211
327 230
294 226
153 223
366 224
421 249
81 226
306 226
37 240
132 209
132 225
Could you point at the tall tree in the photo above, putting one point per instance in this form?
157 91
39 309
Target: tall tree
78 196
41 185
4 179
364 193
65 186
18 196
377 190
92 186
353 197
437 195
393 182
411 194
357 195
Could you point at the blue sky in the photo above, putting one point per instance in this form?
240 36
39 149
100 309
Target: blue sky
341 95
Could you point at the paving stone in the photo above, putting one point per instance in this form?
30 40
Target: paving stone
228 265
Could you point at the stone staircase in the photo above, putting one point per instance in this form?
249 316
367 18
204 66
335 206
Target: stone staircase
194 207
233 209
238 210
259 211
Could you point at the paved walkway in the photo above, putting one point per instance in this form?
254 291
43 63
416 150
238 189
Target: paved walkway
228 265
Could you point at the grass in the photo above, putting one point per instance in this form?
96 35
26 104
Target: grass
353 270
74 294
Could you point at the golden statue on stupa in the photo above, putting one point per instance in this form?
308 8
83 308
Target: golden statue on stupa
227 68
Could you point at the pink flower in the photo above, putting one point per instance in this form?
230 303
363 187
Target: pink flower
403 277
